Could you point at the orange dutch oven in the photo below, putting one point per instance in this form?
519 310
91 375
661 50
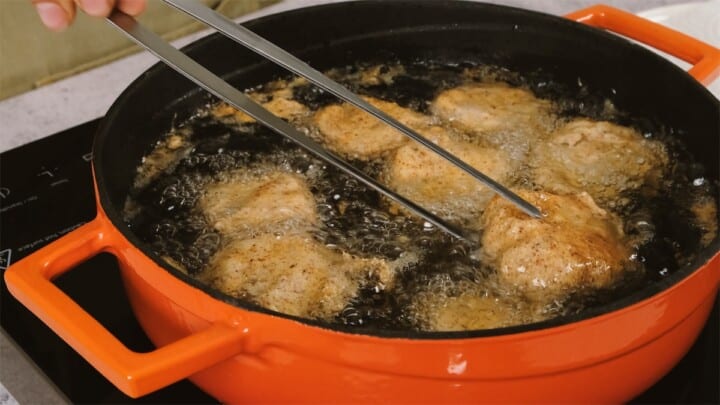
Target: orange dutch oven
238 353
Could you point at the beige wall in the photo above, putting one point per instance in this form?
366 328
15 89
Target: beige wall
31 56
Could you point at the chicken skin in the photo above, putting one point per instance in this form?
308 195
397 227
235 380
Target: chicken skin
354 133
258 202
426 178
269 255
280 104
292 274
506 117
471 310
575 247
601 158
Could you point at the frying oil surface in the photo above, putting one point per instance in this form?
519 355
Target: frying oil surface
391 270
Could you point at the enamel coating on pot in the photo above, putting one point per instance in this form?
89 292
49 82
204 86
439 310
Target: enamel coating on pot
606 359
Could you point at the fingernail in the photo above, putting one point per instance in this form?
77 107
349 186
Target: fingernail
96 8
52 15
132 7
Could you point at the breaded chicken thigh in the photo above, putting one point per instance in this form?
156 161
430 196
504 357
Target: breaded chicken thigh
438 312
354 133
576 245
429 180
268 253
292 274
258 202
601 158
280 104
507 117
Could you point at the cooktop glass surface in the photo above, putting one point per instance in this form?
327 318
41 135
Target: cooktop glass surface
46 191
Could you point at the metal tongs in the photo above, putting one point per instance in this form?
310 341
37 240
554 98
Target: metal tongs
217 86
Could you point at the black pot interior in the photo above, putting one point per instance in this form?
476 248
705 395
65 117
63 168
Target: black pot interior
636 80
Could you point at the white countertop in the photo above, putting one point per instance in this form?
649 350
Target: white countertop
86 96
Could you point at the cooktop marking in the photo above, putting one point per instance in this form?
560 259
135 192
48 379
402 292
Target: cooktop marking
5 257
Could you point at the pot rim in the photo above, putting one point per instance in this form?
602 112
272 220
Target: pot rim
115 217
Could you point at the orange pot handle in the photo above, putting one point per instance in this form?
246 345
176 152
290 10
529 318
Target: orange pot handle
704 58
136 374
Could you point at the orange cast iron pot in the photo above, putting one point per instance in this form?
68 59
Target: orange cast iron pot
239 354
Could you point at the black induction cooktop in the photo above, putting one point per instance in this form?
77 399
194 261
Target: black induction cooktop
46 191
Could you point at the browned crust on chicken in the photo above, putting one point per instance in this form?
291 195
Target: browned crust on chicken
251 203
292 274
280 105
354 133
471 310
575 246
600 158
502 116
429 180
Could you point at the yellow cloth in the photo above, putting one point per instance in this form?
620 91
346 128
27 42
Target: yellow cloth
31 56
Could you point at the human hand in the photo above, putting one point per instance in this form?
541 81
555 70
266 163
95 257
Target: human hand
59 14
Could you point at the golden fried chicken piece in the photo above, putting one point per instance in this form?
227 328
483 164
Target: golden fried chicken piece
601 158
574 247
280 104
429 180
352 132
269 255
258 202
438 312
503 116
292 274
